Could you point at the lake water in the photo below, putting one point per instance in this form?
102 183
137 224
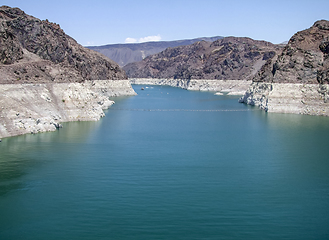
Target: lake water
170 164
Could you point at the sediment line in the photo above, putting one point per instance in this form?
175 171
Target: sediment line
229 87
297 98
33 108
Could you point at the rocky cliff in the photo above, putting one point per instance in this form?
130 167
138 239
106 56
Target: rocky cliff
47 78
296 81
303 60
33 108
32 51
229 58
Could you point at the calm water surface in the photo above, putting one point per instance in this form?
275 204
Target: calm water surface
170 164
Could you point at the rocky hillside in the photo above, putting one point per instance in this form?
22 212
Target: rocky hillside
134 52
44 77
297 80
32 51
230 58
305 59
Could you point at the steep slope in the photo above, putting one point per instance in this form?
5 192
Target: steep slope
47 78
134 52
32 50
297 80
225 59
303 60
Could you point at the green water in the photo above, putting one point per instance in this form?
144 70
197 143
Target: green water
170 164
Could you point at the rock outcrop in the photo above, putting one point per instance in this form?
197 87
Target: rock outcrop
303 60
297 98
47 78
33 108
225 59
296 81
32 51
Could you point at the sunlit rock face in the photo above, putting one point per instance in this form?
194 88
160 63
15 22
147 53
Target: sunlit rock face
230 58
296 81
32 50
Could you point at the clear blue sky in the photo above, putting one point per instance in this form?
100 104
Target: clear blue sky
102 22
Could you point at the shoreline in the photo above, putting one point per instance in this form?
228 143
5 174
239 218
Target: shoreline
295 98
229 87
34 108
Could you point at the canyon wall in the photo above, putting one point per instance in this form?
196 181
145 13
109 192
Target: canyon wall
46 77
33 108
297 98
297 80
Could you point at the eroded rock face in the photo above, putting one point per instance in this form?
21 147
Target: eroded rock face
33 108
297 80
32 50
297 98
303 60
10 49
229 58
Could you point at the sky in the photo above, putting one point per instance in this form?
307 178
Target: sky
101 22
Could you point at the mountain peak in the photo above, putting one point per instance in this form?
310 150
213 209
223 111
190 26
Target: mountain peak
322 24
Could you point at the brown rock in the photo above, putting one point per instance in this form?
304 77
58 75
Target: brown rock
229 58
303 60
32 50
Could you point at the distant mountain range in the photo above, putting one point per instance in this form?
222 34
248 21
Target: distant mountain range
229 58
134 52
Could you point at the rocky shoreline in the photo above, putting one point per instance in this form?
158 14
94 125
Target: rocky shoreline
33 108
46 77
297 98
297 80
229 87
